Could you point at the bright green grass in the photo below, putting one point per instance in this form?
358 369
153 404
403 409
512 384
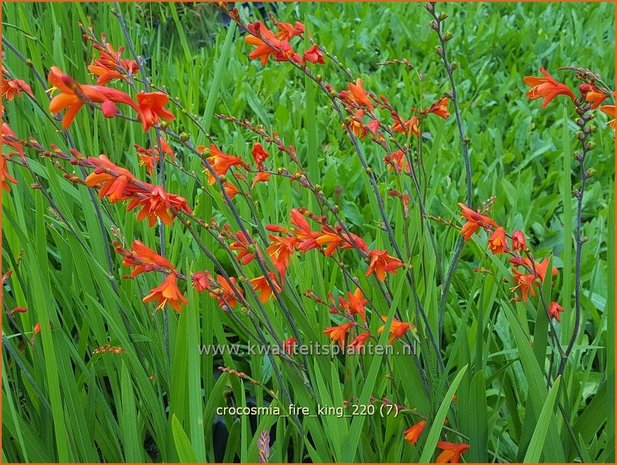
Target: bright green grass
60 403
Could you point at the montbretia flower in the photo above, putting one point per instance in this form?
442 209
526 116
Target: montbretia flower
143 259
524 284
339 333
475 221
440 108
156 203
10 139
409 127
112 181
359 95
262 286
554 310
220 162
110 65
592 95
230 190
397 329
280 252
412 434
313 55
167 293
244 247
227 292
289 345
497 242
13 87
73 96
151 107
451 452
260 177
546 87
397 161
354 303
266 44
288 30
360 340
259 155
5 175
381 263
518 240
201 281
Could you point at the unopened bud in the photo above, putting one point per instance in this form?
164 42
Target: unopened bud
439 51
430 7
435 26
448 36
590 146
453 66
442 16
184 137
29 63
590 173
164 125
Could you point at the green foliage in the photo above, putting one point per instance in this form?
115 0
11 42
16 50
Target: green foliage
158 399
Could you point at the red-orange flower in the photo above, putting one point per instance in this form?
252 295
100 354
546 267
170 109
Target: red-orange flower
244 248
10 139
397 161
409 127
451 452
73 96
339 333
110 65
259 155
359 95
397 329
227 292
518 240
287 30
151 107
524 284
381 263
143 259
355 303
412 434
280 251
592 95
113 181
156 203
260 177
497 242
546 87
360 340
262 286
554 310
167 293
230 190
475 221
201 281
266 44
13 87
221 162
289 344
5 175
313 55
440 108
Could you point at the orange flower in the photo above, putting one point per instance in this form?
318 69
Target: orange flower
518 240
112 180
262 286
5 175
359 95
221 162
524 284
110 65
201 281
360 340
152 107
409 127
280 251
412 434
289 344
541 269
73 96
313 55
355 303
440 108
167 293
143 259
475 221
546 87
397 329
339 333
397 161
303 233
356 125
17 310
497 242
13 87
266 44
381 263
451 452
610 111
156 203
10 139
259 155
287 30
554 310
592 95
244 247
230 190
227 292
260 177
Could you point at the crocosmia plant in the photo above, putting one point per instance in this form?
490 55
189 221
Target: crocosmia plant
264 232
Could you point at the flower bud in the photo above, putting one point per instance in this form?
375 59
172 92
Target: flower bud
442 16
184 137
448 36
439 51
590 173
430 7
435 26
